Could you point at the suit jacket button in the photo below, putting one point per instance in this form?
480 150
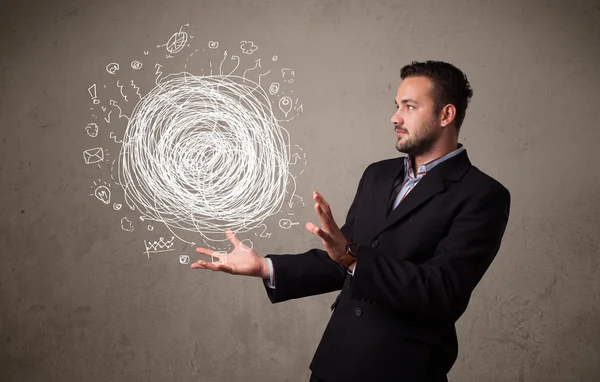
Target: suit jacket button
375 243
358 312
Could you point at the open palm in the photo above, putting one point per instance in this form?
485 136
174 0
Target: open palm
242 260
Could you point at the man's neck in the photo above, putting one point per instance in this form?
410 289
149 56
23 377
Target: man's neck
437 153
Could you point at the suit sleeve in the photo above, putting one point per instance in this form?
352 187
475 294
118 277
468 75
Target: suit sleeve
310 273
440 287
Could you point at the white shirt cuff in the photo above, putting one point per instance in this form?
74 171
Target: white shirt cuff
269 282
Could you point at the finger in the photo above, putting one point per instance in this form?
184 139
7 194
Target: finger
319 198
324 205
312 228
231 237
324 218
217 267
210 252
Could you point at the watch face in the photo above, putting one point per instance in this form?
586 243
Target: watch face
352 249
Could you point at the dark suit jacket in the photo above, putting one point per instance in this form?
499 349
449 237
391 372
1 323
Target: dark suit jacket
394 320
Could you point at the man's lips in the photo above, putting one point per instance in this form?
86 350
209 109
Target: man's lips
399 132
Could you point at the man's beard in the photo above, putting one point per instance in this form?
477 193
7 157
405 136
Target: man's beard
420 143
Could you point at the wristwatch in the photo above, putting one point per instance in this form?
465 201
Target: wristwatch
350 256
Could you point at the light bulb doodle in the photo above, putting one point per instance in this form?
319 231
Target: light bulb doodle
102 191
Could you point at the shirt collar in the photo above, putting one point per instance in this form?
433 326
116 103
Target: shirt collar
427 166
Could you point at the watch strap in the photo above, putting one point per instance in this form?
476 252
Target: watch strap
350 256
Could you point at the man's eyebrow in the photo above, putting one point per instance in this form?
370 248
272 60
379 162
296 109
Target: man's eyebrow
407 100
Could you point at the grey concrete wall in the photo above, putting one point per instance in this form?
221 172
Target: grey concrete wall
81 301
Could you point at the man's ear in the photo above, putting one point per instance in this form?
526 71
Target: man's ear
447 115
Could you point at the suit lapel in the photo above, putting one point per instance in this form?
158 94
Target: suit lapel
432 184
384 187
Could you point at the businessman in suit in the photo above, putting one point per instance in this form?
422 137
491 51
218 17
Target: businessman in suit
419 235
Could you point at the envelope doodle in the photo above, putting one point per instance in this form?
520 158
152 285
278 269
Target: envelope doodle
94 155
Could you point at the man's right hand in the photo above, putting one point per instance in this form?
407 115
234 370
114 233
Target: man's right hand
241 261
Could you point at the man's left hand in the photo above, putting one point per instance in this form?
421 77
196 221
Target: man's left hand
331 235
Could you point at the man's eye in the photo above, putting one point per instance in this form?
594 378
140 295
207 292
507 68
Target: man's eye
410 107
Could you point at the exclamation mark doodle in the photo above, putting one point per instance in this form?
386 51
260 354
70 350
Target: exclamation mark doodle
92 91
285 105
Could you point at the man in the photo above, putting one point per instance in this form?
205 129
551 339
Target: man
419 235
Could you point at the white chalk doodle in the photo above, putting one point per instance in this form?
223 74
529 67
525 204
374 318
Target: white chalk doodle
297 157
93 94
112 68
287 223
94 155
233 58
246 245
205 154
177 42
158 246
91 130
264 232
285 105
126 225
288 75
274 88
136 88
114 104
107 113
114 137
102 192
184 259
200 153
248 47
158 72
220 257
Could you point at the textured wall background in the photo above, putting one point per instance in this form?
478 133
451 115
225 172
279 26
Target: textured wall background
80 301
